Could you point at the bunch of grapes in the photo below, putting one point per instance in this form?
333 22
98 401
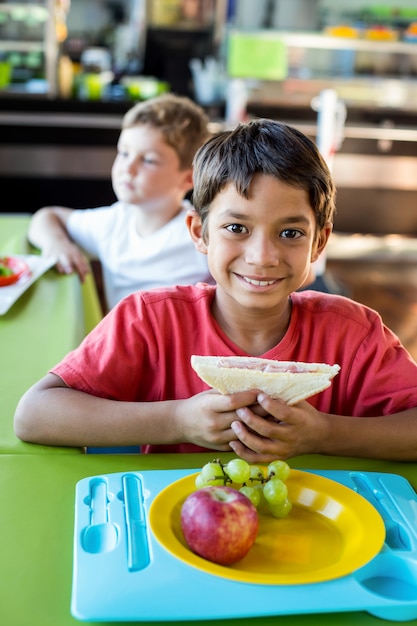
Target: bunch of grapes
264 486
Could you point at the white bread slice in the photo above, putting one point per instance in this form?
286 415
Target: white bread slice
292 381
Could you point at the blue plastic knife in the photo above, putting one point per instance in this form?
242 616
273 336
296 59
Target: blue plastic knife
137 537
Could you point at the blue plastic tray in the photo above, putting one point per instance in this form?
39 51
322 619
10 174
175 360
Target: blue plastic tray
126 579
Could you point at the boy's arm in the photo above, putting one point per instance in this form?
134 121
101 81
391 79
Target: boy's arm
51 413
47 231
388 437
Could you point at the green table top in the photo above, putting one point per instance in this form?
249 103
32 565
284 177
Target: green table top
37 522
47 321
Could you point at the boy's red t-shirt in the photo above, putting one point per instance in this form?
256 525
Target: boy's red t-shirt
141 351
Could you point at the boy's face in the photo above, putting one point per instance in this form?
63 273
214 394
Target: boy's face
260 249
147 169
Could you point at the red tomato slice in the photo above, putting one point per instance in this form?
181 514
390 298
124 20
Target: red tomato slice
19 268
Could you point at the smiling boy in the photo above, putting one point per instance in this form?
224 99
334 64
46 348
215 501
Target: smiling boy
258 256
263 210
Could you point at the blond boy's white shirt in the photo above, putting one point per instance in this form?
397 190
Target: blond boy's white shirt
133 263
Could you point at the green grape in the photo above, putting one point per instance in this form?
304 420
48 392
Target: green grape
263 504
221 480
279 469
199 481
280 510
275 491
252 493
256 474
212 470
238 470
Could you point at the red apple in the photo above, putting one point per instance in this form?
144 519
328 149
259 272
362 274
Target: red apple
219 523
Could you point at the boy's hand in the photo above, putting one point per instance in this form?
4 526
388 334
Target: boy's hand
69 258
205 419
288 431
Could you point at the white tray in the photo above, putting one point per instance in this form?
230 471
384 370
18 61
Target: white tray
38 265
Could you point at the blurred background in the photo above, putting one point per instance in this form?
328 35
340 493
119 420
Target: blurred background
69 70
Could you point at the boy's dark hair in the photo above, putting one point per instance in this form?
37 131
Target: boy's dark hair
183 124
262 146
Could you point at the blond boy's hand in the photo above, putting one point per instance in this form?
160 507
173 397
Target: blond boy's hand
48 232
69 258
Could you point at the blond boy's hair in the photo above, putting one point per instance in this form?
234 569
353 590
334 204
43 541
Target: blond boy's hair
183 124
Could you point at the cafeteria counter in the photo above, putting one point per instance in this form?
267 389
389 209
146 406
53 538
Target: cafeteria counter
48 320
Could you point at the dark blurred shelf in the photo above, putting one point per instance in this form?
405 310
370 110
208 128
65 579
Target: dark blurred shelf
34 103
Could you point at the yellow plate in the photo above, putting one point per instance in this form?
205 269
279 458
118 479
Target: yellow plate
330 532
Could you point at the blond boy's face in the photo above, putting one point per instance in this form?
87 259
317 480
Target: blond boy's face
260 249
146 169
